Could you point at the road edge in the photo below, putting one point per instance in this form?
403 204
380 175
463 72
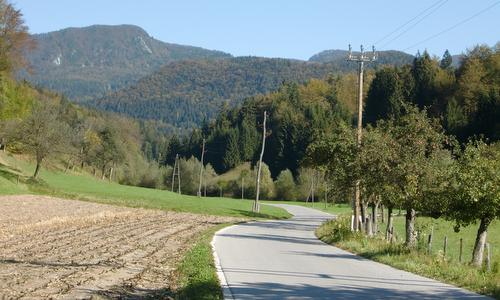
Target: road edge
226 291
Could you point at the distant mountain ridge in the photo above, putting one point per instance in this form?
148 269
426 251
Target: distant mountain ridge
391 57
84 63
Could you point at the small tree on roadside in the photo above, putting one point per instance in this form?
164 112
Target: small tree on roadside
476 194
285 186
42 134
417 138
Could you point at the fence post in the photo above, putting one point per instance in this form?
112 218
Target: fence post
445 246
461 250
429 244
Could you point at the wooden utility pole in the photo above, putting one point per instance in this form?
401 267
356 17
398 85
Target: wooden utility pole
176 171
242 188
201 167
360 59
256 205
173 172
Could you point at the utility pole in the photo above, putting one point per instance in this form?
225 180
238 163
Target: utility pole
360 59
201 167
176 171
256 205
242 188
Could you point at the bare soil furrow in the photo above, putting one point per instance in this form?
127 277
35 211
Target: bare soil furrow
56 248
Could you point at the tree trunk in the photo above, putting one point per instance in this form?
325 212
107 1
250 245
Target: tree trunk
37 168
374 217
411 240
382 214
103 171
477 254
389 223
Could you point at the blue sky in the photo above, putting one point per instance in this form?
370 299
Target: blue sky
280 28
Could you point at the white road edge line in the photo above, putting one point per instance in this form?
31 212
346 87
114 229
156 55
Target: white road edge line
226 291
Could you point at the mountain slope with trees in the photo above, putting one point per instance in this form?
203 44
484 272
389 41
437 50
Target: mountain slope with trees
188 92
83 63
389 57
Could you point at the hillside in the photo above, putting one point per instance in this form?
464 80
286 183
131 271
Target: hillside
185 93
390 57
84 63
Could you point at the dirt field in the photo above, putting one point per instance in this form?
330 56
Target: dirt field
65 249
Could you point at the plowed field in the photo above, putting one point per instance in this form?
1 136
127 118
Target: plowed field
66 249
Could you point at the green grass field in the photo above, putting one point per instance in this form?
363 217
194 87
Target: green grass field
444 228
443 268
86 187
335 209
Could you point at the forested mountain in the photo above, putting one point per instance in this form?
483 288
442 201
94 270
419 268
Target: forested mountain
84 63
390 57
185 93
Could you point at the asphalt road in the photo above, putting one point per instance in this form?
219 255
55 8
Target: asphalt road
284 260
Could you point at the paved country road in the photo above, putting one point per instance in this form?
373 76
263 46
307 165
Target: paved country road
284 260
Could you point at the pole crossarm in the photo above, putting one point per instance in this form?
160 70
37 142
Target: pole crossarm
362 57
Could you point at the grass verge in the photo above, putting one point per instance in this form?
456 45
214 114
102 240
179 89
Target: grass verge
436 265
196 274
88 188
336 209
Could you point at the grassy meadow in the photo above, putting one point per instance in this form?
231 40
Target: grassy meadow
86 187
446 268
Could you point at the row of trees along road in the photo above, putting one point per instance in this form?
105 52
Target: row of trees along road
409 157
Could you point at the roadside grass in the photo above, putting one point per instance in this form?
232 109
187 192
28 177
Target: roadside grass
437 266
196 274
336 208
88 188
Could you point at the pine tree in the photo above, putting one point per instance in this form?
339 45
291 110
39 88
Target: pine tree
446 61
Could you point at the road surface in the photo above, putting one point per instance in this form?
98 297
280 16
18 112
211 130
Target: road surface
284 260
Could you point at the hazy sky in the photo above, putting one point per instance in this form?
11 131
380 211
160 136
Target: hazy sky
281 28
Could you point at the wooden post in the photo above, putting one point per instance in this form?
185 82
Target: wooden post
256 205
461 250
326 194
488 257
201 167
429 242
242 188
312 188
445 246
173 172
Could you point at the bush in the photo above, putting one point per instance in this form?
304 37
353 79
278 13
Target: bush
336 230
285 186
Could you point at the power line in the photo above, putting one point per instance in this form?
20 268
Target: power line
415 24
453 26
411 20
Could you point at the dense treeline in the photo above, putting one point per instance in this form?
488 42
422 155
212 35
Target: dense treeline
296 114
466 100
